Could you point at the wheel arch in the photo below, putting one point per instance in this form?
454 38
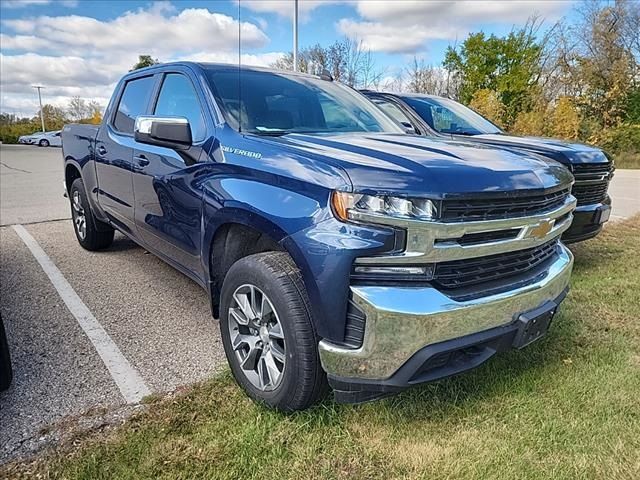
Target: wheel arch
234 234
71 173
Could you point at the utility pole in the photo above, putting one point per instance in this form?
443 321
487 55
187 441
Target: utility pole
39 87
295 36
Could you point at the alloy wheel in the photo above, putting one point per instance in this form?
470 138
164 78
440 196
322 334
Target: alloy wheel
79 217
257 337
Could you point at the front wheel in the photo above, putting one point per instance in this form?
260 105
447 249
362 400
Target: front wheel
44 143
92 234
267 332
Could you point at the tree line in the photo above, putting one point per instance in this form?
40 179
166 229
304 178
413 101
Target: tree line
578 79
78 110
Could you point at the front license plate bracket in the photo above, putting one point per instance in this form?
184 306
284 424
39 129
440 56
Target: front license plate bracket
534 324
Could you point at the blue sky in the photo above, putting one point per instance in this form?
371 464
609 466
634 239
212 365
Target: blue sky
76 47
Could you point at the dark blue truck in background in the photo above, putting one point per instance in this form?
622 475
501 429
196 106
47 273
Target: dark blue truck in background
431 115
336 250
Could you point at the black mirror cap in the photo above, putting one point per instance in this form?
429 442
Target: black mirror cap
170 132
408 128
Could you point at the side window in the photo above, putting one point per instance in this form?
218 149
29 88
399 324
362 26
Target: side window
338 118
133 102
179 99
392 110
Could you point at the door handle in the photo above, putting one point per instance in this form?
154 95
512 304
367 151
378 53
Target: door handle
102 150
142 160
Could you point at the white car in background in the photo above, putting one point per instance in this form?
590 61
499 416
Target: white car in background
43 139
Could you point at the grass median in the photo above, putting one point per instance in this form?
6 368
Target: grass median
565 407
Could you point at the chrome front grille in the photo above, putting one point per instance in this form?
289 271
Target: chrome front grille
475 271
505 206
430 242
478 258
592 182
590 194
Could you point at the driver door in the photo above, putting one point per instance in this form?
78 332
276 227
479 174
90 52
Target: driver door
168 198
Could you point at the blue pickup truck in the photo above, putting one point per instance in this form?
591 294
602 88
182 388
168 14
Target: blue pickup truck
336 250
431 115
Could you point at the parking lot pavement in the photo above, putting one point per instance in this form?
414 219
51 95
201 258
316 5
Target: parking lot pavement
625 193
158 319
31 184
56 369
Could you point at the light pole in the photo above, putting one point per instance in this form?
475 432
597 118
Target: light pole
39 87
295 36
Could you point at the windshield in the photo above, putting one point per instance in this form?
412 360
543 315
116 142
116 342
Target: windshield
447 116
278 103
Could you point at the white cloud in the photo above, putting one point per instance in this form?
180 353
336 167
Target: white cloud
257 60
152 31
285 8
403 26
78 55
382 37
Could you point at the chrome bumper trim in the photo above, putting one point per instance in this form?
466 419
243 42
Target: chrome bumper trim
402 320
431 242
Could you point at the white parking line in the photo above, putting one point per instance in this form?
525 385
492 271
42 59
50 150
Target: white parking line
127 378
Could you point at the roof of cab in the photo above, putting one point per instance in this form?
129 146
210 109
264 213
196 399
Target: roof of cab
218 67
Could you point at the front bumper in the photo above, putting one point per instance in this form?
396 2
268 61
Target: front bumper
588 221
402 320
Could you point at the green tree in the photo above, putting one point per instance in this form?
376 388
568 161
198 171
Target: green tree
510 66
144 61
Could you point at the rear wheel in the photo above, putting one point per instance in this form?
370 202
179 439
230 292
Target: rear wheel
267 332
43 143
92 234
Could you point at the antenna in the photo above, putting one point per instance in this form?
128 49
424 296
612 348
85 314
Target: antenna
40 87
295 36
239 68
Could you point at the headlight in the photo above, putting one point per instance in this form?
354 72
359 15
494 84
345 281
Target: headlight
346 204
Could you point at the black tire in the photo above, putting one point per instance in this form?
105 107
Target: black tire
6 373
43 143
96 235
303 380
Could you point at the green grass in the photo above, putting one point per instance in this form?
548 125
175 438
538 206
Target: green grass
567 407
627 160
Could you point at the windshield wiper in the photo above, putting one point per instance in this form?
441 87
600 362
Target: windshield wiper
465 133
270 132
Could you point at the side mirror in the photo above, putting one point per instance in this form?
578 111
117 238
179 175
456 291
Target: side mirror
170 132
408 128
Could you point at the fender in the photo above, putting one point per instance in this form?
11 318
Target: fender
87 172
267 207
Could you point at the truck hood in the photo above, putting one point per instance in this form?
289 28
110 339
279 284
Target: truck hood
413 165
559 150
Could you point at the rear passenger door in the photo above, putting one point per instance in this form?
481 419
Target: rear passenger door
168 200
114 151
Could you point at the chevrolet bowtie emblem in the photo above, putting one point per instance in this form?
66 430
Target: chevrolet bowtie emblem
542 229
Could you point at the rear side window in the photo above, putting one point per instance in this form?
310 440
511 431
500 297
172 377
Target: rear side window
178 98
133 102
